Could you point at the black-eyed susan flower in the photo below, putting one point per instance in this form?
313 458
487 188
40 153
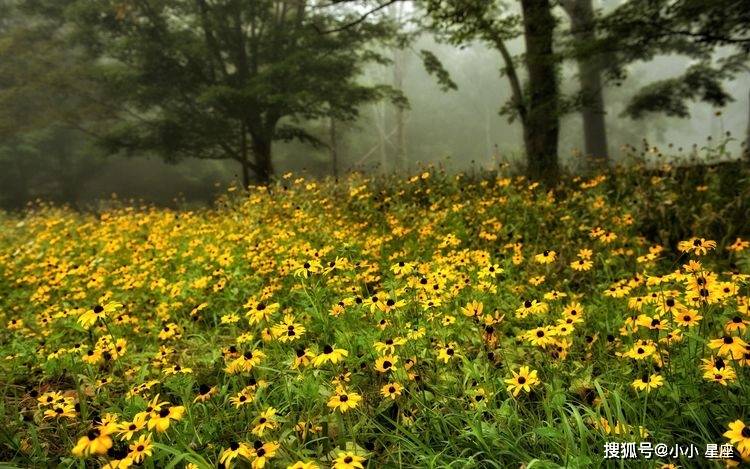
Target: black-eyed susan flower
392 390
348 460
127 430
303 465
649 382
523 380
728 346
342 400
141 448
386 363
546 257
61 410
161 419
235 450
95 441
330 354
472 309
265 421
448 352
89 317
698 246
205 392
262 453
244 397
739 435
721 376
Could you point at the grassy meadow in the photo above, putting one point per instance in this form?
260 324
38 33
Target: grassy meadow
429 321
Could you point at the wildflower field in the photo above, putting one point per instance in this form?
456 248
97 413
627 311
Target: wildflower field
431 321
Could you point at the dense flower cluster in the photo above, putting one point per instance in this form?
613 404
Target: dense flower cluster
341 325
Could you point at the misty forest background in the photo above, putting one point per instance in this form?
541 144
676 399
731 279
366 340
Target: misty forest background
170 101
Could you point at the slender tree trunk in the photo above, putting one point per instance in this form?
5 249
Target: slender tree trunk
334 149
747 132
398 83
399 57
263 165
245 174
581 13
542 126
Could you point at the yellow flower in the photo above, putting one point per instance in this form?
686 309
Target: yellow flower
739 436
303 465
343 400
128 429
62 410
235 449
729 346
391 390
89 317
141 448
330 354
524 379
698 246
448 352
161 419
266 421
546 257
648 383
348 460
386 363
262 453
473 309
96 441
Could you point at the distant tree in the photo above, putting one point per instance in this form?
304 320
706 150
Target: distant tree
536 104
590 68
639 30
49 110
223 79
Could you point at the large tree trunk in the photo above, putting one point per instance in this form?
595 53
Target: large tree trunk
542 123
581 13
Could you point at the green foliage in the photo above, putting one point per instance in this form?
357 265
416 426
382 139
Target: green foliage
434 67
643 29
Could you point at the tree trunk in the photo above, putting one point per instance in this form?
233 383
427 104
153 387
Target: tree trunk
245 167
542 123
263 165
747 132
581 13
334 149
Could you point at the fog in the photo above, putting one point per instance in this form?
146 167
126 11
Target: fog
458 130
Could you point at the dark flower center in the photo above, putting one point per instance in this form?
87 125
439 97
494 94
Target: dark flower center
348 459
327 349
164 412
521 380
234 446
391 389
343 398
98 309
